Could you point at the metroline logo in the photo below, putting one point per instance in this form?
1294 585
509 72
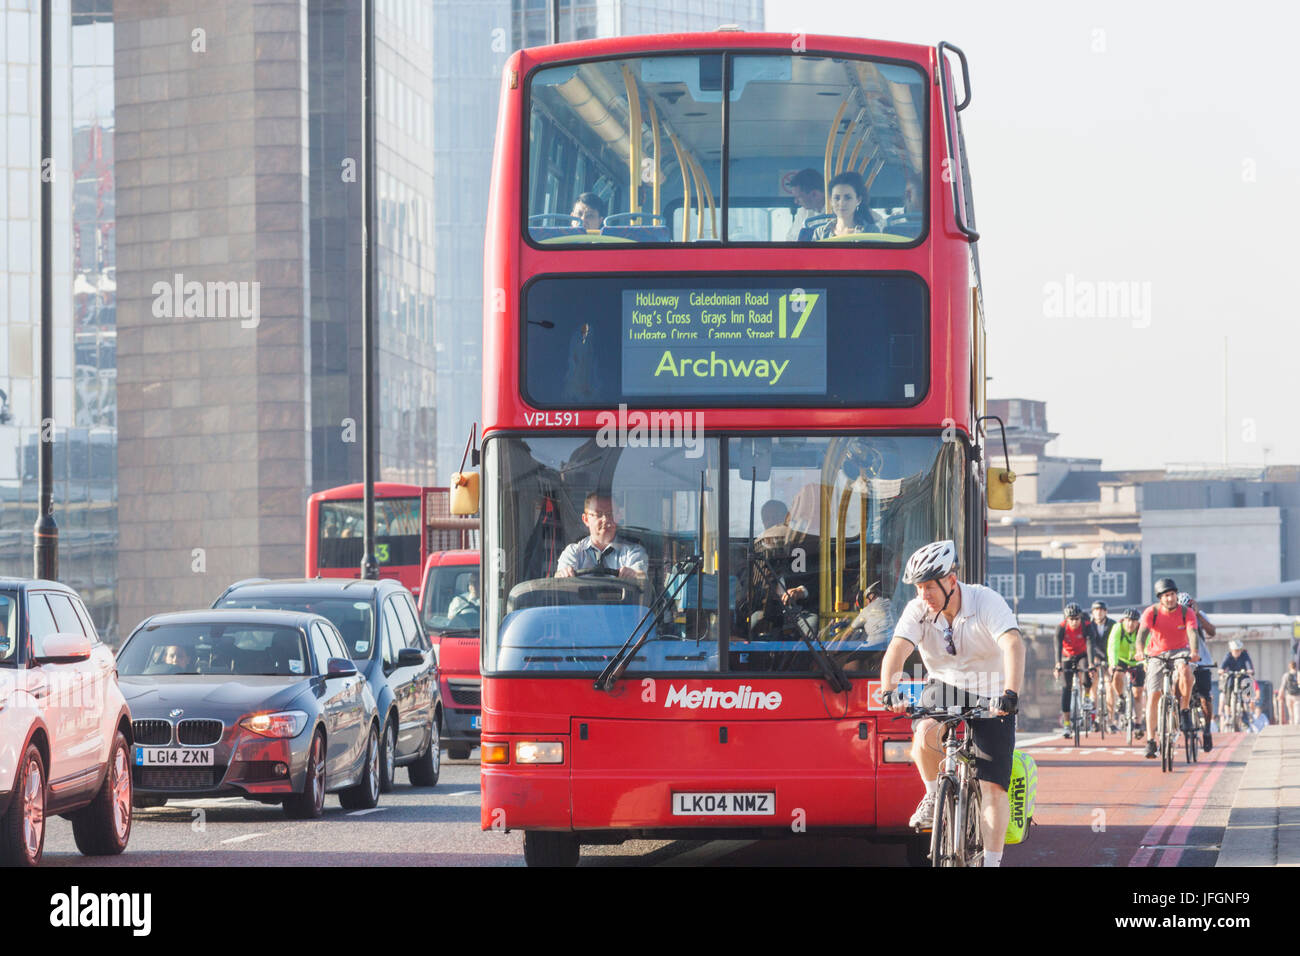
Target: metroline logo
743 698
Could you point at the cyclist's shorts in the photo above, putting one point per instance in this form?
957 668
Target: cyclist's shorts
1155 672
1136 673
1022 793
995 737
1202 677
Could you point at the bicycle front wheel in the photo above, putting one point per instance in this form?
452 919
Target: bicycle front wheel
1076 710
943 833
968 822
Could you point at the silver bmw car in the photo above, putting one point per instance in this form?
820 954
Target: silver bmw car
259 704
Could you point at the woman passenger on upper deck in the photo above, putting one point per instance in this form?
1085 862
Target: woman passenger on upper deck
848 194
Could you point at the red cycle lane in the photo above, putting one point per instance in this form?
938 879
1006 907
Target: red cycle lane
1109 806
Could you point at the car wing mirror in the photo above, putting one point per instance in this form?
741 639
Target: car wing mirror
64 649
410 657
340 667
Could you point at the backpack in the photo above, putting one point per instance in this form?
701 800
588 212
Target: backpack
1022 793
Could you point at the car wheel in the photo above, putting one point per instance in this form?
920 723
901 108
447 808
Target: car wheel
388 758
424 772
458 753
365 794
104 827
310 804
22 831
549 848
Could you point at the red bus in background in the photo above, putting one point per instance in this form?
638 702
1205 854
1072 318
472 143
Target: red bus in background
411 523
766 401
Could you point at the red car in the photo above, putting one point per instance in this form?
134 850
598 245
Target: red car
449 608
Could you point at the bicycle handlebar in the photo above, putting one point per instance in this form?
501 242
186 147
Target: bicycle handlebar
953 714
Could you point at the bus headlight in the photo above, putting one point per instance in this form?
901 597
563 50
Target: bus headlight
545 751
898 751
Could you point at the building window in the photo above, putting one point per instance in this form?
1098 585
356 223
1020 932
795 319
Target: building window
1002 584
1049 585
1180 567
1108 584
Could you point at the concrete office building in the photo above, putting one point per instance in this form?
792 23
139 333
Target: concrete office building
238 169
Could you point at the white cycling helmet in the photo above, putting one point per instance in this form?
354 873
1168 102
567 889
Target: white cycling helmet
931 562
1235 645
1184 599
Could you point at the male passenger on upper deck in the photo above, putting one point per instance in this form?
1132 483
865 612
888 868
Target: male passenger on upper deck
809 193
590 208
601 549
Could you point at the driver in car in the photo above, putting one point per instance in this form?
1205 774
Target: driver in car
602 550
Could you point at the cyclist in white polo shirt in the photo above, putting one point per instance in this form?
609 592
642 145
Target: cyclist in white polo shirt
972 649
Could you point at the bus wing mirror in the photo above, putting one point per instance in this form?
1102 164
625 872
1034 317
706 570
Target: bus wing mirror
464 493
1001 489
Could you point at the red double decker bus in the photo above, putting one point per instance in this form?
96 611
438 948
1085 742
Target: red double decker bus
411 522
774 407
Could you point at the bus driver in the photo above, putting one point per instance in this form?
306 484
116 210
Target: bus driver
601 548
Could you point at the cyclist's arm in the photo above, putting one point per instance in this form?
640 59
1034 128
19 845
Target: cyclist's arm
1013 659
1112 646
1140 645
1056 648
1209 629
1193 640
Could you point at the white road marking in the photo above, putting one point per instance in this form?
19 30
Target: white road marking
246 836
1034 741
362 813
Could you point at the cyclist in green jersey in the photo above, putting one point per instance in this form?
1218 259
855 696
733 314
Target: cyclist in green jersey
1119 654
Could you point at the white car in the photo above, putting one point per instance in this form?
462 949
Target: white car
65 729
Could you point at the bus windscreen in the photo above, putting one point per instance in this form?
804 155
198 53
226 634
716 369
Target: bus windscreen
341 541
814 340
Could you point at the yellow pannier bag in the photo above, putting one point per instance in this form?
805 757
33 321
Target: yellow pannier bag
1023 790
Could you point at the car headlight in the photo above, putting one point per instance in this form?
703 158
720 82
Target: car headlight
286 723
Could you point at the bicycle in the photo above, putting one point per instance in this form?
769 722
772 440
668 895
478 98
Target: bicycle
956 837
1124 712
1099 714
1076 697
1236 702
1167 718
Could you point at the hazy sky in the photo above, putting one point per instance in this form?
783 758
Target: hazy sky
1152 145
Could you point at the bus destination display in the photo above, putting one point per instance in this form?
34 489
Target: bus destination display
726 341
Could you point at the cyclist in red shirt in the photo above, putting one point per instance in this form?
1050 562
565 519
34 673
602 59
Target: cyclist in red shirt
1166 627
1075 638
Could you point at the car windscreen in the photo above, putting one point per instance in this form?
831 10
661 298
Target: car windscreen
235 648
8 628
353 618
451 598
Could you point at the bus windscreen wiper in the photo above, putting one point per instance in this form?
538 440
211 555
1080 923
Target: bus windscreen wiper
771 582
678 574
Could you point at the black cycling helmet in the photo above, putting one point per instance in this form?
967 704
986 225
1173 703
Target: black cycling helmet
1165 584
1073 610
1132 614
1099 604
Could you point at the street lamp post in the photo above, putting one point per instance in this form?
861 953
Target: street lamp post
1015 523
1062 546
